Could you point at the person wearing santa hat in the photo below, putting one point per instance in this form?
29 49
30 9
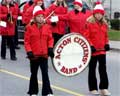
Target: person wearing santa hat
38 42
76 18
28 13
96 33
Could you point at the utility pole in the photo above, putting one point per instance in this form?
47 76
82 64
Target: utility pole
110 9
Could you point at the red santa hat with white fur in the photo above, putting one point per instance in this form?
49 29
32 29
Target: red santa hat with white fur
98 8
37 11
79 2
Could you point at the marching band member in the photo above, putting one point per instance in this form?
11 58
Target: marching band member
58 28
96 34
76 18
25 8
28 14
8 14
38 43
16 31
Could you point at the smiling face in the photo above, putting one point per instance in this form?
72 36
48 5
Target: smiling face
98 16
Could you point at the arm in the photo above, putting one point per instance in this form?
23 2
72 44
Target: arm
50 39
28 16
107 46
50 10
64 17
50 44
106 36
87 33
2 15
15 13
27 39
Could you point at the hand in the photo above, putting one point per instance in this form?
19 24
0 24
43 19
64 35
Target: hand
8 16
55 3
65 5
107 47
30 55
50 52
93 49
54 19
53 24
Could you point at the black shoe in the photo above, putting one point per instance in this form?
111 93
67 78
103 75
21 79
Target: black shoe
17 47
14 58
3 58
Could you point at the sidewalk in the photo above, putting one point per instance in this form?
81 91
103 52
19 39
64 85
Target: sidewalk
115 45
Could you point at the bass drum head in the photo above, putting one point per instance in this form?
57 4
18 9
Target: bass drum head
72 54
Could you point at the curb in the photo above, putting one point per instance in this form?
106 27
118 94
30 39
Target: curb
115 49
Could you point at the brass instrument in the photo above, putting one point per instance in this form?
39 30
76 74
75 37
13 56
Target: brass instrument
10 19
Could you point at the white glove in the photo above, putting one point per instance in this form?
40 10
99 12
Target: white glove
3 24
19 18
54 19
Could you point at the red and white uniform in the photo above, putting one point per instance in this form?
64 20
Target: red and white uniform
60 26
96 33
28 12
25 8
10 29
38 40
76 21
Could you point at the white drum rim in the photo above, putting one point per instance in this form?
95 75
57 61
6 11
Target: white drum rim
73 33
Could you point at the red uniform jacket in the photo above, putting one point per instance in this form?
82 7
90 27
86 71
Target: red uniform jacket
60 26
76 21
28 15
38 40
25 8
10 29
18 9
96 33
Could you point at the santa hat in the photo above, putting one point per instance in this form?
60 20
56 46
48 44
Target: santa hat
79 2
35 1
37 11
98 8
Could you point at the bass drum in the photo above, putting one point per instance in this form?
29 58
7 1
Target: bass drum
72 54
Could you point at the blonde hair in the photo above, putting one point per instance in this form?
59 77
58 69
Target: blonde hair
92 19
